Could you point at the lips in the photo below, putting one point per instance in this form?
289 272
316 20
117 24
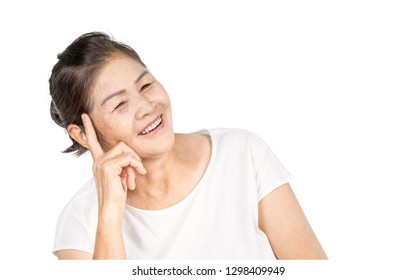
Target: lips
152 126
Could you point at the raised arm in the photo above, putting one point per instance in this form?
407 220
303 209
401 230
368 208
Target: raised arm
114 173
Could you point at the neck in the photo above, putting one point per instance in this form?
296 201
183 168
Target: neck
159 179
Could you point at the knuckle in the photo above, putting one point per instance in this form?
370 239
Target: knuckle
133 157
130 156
101 165
121 144
95 166
106 167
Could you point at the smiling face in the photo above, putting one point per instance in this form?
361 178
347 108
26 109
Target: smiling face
129 105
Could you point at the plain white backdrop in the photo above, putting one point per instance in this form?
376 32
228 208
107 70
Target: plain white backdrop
329 85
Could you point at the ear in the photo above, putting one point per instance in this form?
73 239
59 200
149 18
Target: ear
78 135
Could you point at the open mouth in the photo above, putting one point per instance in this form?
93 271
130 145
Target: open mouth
152 126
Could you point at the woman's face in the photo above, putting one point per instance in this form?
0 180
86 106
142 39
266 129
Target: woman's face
128 104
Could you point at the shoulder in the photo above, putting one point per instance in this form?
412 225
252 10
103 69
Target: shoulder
85 194
225 141
235 137
83 202
231 134
77 222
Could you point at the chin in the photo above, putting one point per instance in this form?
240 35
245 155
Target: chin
167 144
158 147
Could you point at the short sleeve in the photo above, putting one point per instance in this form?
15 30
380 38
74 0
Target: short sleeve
76 225
270 173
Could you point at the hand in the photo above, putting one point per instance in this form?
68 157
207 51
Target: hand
114 171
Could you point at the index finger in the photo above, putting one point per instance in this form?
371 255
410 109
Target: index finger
94 145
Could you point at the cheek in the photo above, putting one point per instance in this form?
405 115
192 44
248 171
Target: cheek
115 130
162 95
165 100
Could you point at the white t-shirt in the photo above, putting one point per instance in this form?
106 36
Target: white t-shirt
217 220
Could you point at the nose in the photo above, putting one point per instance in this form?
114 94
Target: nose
143 107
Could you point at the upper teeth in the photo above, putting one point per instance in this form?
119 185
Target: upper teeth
151 126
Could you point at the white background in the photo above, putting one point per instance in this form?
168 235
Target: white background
329 85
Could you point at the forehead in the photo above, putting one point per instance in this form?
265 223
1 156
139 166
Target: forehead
118 70
118 73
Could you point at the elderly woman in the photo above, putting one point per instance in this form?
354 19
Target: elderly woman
156 194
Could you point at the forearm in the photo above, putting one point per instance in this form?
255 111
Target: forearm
109 242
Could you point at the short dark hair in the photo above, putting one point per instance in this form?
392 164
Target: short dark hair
73 75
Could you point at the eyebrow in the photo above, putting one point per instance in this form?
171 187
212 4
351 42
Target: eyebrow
108 97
